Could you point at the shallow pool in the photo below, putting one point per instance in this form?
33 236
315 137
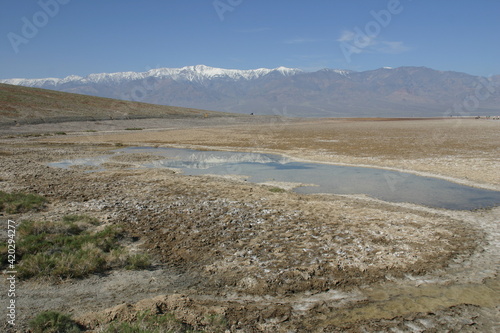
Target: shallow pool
382 184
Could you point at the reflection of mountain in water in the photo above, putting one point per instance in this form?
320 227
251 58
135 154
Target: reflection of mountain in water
203 160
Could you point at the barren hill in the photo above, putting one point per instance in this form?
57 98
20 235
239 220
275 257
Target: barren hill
20 105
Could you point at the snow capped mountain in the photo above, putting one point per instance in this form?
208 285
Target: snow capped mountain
402 91
342 72
33 82
198 73
202 72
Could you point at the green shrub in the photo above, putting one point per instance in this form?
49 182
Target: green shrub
166 323
276 190
17 202
63 265
36 237
138 262
63 250
53 322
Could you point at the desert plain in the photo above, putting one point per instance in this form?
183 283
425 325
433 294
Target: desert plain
260 257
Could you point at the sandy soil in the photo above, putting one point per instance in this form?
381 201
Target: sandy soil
276 262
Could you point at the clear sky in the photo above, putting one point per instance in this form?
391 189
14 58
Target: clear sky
57 38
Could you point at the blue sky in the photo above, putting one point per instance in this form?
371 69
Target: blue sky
94 36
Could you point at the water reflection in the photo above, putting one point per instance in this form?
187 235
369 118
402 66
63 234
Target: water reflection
386 185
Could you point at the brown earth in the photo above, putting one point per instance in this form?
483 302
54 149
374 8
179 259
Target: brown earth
24 105
275 261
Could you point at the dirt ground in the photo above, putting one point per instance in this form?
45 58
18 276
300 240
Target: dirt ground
272 261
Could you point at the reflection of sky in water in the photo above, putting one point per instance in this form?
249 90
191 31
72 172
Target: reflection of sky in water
382 184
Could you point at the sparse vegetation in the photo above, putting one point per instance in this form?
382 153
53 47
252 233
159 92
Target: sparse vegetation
277 190
71 248
138 261
53 322
18 202
64 249
216 323
166 323
134 129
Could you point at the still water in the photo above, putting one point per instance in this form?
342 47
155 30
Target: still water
382 184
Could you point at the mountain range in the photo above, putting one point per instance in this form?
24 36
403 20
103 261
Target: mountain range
384 92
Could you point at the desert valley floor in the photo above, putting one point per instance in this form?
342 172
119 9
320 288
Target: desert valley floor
261 257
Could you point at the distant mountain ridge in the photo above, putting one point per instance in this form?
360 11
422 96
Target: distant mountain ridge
385 92
197 73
